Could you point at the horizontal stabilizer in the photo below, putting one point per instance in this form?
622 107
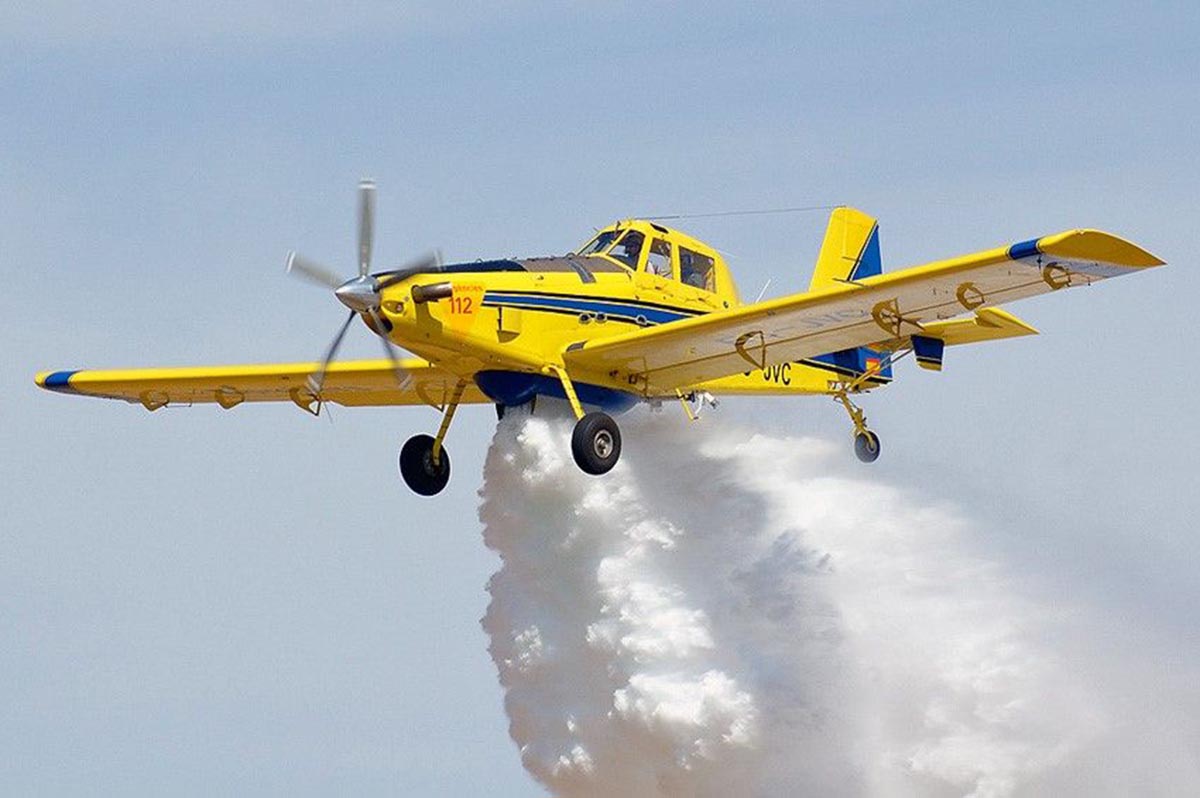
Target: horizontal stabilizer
988 324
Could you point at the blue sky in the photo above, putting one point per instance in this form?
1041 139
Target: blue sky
196 601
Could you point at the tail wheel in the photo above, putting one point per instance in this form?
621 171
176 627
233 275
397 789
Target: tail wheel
418 469
596 443
866 446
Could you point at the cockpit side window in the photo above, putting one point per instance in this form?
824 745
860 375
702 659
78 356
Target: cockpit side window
600 242
629 249
659 260
697 270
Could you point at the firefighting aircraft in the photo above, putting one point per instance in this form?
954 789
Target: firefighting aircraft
639 313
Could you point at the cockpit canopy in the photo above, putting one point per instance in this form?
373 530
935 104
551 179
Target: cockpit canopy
643 246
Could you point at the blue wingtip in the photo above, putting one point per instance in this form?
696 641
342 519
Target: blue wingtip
59 381
1023 249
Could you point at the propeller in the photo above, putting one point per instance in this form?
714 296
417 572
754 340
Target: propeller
360 294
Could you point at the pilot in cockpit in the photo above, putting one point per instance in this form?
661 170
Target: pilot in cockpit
629 249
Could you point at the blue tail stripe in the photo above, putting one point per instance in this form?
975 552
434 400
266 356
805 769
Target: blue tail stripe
870 261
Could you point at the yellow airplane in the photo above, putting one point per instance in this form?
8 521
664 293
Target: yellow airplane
639 313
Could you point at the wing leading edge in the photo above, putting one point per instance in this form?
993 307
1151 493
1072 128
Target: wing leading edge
358 383
880 310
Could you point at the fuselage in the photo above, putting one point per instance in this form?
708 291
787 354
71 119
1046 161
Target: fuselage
501 321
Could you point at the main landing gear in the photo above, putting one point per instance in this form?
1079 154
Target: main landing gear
866 442
596 443
866 446
424 463
420 470
596 440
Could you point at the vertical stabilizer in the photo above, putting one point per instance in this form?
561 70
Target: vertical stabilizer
850 250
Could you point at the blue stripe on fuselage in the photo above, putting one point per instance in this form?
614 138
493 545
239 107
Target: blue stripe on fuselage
609 308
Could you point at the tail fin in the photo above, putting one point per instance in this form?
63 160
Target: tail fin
850 250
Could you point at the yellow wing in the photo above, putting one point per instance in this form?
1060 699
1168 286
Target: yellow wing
354 383
884 310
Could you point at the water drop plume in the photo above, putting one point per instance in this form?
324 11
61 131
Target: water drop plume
725 613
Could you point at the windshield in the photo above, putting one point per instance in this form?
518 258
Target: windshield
600 243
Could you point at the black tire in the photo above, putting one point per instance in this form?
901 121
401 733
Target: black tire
417 468
866 446
596 443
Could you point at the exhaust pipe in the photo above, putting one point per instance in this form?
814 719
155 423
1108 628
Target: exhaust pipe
432 292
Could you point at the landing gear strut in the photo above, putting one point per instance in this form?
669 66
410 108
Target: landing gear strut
596 441
866 442
424 462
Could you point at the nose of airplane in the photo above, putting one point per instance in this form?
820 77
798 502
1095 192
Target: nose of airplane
360 294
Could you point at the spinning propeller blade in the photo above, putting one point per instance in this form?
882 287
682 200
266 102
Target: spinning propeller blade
402 376
366 225
361 293
313 272
429 262
316 381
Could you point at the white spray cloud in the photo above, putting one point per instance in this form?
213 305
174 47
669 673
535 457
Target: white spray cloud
719 615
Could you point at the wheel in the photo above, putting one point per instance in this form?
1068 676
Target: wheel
866 446
417 468
596 443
